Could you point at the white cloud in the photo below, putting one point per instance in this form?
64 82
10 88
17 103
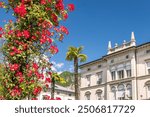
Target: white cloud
59 72
53 68
57 66
71 68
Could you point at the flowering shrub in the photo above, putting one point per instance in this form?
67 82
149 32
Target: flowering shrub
32 34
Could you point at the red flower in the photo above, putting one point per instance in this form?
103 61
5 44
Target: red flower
65 15
10 32
47 86
13 67
1 29
71 7
43 2
64 30
1 35
32 81
49 40
33 37
20 75
49 1
29 73
19 34
60 5
21 79
46 97
53 49
47 80
58 98
37 90
21 10
54 17
12 53
35 66
26 34
43 39
15 92
1 4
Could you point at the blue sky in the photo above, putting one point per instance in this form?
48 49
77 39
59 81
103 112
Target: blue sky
95 22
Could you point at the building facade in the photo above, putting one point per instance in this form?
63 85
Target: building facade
122 74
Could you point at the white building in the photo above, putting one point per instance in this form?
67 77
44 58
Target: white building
60 92
124 73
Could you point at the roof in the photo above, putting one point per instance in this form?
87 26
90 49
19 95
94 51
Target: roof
147 43
58 87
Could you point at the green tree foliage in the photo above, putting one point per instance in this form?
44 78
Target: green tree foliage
68 78
75 54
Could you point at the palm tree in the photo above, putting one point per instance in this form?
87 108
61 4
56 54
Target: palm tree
55 78
75 54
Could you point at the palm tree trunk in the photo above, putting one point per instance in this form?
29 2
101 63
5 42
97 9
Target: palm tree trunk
52 88
76 79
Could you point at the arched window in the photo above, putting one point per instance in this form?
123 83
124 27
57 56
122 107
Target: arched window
148 91
87 95
147 84
129 91
99 94
113 93
121 92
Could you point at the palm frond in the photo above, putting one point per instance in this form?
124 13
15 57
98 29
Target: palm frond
82 57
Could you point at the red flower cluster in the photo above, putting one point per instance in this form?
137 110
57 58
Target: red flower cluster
15 91
24 33
35 66
1 32
37 90
54 18
60 5
21 10
53 49
13 67
47 80
64 30
20 75
15 51
65 15
31 32
34 99
45 39
1 4
43 2
71 7
46 97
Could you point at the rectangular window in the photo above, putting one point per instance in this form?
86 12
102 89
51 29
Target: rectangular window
147 51
88 77
128 73
148 71
99 77
113 75
120 74
148 68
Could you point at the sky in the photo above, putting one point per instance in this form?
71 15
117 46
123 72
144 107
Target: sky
95 22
